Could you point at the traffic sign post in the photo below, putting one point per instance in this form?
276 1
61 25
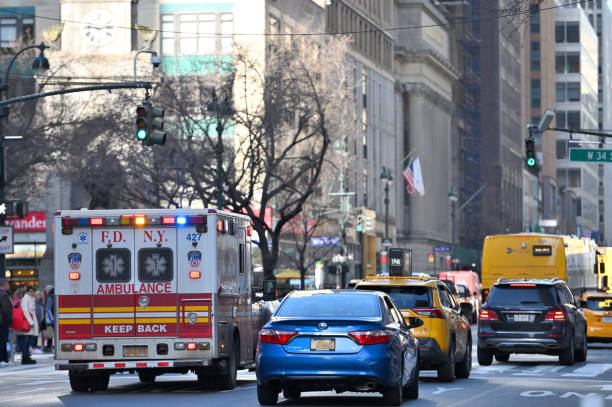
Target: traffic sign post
6 240
590 155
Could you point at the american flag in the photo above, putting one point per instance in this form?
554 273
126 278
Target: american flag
409 177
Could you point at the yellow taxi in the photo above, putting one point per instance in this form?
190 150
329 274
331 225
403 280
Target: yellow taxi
445 340
597 309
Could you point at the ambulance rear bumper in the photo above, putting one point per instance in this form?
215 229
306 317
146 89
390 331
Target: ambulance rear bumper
135 364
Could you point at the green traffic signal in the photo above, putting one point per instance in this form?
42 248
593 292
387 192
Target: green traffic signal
531 162
141 134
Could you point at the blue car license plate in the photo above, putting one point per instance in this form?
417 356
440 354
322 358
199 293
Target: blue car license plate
328 344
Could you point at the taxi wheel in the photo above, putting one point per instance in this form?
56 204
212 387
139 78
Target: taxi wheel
99 382
267 395
227 379
581 354
447 372
78 383
464 367
485 357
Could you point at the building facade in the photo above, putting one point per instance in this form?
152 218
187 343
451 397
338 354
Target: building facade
576 48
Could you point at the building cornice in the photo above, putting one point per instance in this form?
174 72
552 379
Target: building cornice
429 57
419 89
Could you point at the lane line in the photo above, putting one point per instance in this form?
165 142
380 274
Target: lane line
590 370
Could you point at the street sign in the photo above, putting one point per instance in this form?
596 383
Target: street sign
590 155
6 240
387 243
441 249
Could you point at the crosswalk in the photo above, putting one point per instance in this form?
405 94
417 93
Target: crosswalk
584 370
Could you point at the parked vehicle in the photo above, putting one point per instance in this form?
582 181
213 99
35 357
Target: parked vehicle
531 316
445 338
597 309
342 340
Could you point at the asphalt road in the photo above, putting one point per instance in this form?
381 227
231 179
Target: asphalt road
526 380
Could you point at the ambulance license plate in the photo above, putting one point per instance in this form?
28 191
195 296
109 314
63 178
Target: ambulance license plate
323 344
606 319
135 351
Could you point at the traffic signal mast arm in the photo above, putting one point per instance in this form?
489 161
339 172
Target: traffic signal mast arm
588 132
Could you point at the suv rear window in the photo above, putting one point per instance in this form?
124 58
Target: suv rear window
330 306
405 297
508 295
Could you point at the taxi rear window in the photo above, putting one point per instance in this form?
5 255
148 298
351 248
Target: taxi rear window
113 265
405 297
599 304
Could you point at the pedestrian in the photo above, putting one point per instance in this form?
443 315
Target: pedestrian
40 317
6 318
19 293
25 339
49 317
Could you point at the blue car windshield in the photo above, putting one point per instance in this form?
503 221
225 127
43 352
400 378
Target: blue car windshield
330 306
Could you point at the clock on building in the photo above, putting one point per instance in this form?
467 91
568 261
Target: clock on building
99 27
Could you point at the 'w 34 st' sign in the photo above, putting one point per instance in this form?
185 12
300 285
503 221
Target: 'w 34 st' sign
599 156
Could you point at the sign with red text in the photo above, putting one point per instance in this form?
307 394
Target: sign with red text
34 222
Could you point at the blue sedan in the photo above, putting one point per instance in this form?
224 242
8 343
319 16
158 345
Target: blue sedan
337 340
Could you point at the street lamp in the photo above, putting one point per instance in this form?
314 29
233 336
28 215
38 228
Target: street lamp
39 65
453 197
387 179
221 109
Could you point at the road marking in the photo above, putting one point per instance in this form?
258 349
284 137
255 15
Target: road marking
16 399
536 370
40 382
493 369
444 389
590 370
469 399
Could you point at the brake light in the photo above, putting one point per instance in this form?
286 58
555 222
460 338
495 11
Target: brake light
522 285
556 315
74 275
191 346
275 336
487 315
429 312
78 347
374 337
194 274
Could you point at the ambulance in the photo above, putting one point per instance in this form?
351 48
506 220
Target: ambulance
154 291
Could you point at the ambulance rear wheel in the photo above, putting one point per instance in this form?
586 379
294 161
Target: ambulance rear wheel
78 382
226 380
146 377
99 382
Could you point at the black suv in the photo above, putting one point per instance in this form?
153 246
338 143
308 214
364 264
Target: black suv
531 316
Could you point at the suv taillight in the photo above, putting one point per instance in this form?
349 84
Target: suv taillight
487 315
556 315
275 336
429 312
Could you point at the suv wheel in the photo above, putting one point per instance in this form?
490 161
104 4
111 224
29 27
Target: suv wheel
462 369
581 354
485 357
566 356
447 372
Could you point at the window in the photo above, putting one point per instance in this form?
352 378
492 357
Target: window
579 206
567 62
573 119
535 56
561 149
206 33
567 32
536 93
15 28
155 265
535 19
113 265
274 25
506 295
337 305
405 297
568 91
575 177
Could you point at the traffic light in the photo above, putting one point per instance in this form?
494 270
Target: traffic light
149 123
155 125
530 154
141 123
360 223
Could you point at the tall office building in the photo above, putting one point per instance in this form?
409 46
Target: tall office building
576 61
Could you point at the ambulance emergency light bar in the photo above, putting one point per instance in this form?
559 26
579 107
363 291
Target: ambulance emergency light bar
135 220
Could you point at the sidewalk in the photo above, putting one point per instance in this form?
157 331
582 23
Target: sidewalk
42 360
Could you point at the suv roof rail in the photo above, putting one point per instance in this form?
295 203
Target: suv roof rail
503 280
